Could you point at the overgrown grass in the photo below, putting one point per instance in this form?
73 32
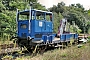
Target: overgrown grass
71 53
5 40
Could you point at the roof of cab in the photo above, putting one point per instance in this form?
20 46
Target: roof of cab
26 11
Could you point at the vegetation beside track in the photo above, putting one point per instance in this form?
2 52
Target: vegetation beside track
69 53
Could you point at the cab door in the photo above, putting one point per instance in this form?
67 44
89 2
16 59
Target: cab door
23 28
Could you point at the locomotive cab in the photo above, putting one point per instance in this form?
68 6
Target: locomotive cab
32 25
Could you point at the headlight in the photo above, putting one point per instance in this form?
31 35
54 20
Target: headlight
24 26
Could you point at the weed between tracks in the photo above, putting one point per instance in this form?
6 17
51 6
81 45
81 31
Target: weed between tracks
69 53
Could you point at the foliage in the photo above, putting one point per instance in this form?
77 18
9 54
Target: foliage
8 14
7 57
74 12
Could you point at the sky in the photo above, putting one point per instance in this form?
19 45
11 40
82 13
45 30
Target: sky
50 3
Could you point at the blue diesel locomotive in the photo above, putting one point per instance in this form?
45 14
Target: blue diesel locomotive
35 27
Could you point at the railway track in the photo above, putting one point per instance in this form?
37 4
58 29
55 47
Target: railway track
8 48
15 51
